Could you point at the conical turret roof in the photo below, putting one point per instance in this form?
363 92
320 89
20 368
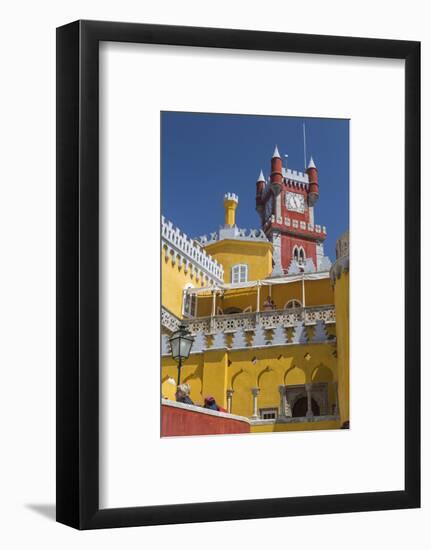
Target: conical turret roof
276 153
311 163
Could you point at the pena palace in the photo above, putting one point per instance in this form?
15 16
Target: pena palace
268 313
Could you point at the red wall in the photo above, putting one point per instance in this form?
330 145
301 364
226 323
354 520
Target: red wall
176 421
287 244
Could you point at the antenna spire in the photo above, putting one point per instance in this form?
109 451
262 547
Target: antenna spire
305 147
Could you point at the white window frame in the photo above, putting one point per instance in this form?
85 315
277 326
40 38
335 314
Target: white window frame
268 410
289 304
235 274
189 310
298 254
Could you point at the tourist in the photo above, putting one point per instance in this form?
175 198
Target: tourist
268 304
210 403
182 395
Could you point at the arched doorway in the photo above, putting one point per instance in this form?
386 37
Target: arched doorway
300 407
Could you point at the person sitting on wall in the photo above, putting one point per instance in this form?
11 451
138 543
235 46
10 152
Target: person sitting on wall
182 395
210 403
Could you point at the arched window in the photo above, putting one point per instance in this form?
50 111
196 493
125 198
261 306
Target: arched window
292 304
301 257
189 303
239 273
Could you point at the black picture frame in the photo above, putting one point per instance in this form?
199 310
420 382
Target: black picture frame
78 274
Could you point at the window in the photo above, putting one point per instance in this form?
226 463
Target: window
268 414
299 255
189 303
292 304
239 273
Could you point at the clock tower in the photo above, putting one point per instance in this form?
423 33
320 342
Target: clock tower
285 203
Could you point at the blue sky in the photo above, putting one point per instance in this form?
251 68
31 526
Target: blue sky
206 155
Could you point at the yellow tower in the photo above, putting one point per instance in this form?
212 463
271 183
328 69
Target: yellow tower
230 206
340 280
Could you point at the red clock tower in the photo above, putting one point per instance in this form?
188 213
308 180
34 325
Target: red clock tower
285 204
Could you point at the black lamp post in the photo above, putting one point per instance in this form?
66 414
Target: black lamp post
181 343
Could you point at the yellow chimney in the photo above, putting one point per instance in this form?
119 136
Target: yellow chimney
230 204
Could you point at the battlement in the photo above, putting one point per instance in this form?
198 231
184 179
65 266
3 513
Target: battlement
295 175
298 224
231 197
181 249
233 233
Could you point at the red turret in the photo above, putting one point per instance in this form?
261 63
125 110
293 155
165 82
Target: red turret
313 187
276 172
260 189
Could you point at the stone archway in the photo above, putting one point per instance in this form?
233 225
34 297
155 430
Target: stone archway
300 407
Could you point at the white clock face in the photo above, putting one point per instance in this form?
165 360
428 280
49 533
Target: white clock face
295 202
268 208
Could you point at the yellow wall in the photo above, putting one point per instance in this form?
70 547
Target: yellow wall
174 281
342 328
296 426
215 371
257 255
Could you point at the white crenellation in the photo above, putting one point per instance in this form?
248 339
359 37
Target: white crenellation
315 228
238 340
188 254
166 348
259 337
231 197
233 233
199 343
300 334
295 176
279 336
258 325
219 340
320 334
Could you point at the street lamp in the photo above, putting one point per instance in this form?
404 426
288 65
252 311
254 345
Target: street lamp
181 343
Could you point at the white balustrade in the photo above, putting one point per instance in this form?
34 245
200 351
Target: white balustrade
266 319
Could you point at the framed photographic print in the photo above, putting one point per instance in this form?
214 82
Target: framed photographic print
238 288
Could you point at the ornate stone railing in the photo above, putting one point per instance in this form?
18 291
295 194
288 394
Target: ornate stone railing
169 320
180 248
266 319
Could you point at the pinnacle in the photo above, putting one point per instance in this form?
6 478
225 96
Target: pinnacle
276 153
311 163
